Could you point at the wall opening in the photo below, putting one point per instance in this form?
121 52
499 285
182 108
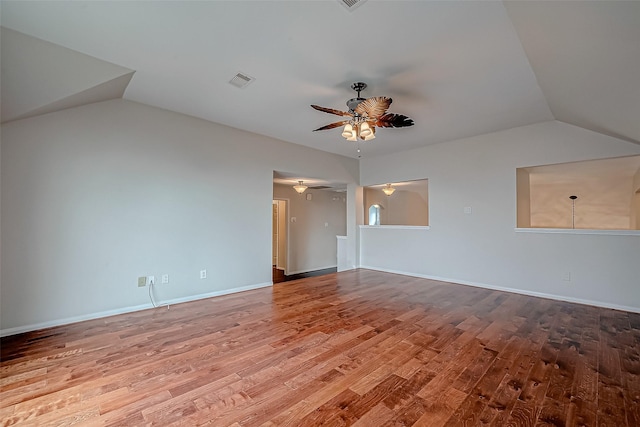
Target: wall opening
407 204
313 220
595 194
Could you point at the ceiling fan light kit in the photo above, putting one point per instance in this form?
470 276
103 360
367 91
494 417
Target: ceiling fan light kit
364 115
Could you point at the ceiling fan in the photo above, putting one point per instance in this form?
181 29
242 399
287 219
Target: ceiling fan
364 115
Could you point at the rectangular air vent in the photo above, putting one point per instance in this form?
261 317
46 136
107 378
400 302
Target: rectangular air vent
351 4
241 80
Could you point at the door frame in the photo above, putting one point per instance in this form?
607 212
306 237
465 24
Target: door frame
285 217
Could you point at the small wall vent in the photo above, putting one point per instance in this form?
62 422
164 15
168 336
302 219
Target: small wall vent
241 80
351 4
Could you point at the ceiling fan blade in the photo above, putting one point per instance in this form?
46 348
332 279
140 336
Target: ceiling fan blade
374 107
332 111
333 125
391 120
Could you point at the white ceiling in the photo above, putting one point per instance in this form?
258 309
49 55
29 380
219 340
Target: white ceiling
457 68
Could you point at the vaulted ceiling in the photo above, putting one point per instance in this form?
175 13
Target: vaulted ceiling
458 69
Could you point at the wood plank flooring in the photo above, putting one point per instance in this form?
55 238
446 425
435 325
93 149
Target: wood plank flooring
359 348
278 276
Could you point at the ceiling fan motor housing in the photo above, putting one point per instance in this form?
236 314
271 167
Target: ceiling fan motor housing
354 102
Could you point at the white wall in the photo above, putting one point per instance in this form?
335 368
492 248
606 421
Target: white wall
95 196
483 248
312 245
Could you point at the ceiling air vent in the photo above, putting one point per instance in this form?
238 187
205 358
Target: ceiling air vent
351 4
241 80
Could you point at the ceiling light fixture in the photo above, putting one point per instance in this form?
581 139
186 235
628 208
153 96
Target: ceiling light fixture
300 187
388 190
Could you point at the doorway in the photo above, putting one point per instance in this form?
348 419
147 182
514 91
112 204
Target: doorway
279 238
304 229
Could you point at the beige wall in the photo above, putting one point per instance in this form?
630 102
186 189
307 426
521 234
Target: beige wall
602 203
635 202
524 198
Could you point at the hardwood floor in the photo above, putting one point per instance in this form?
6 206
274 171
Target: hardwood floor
278 276
358 348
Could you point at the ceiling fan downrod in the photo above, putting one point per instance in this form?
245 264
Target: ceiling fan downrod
358 87
354 102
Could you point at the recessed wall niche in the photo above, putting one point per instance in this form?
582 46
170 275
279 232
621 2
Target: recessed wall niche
607 195
406 205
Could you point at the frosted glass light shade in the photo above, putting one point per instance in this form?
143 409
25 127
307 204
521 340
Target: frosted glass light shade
372 135
348 131
388 190
300 187
365 130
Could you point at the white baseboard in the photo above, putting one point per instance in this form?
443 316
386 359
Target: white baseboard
512 290
92 316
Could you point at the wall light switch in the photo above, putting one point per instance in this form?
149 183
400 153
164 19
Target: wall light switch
467 210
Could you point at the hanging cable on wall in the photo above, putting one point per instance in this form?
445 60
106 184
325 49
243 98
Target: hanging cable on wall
153 302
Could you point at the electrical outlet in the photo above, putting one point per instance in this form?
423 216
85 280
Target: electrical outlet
203 274
142 281
151 280
165 278
566 276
